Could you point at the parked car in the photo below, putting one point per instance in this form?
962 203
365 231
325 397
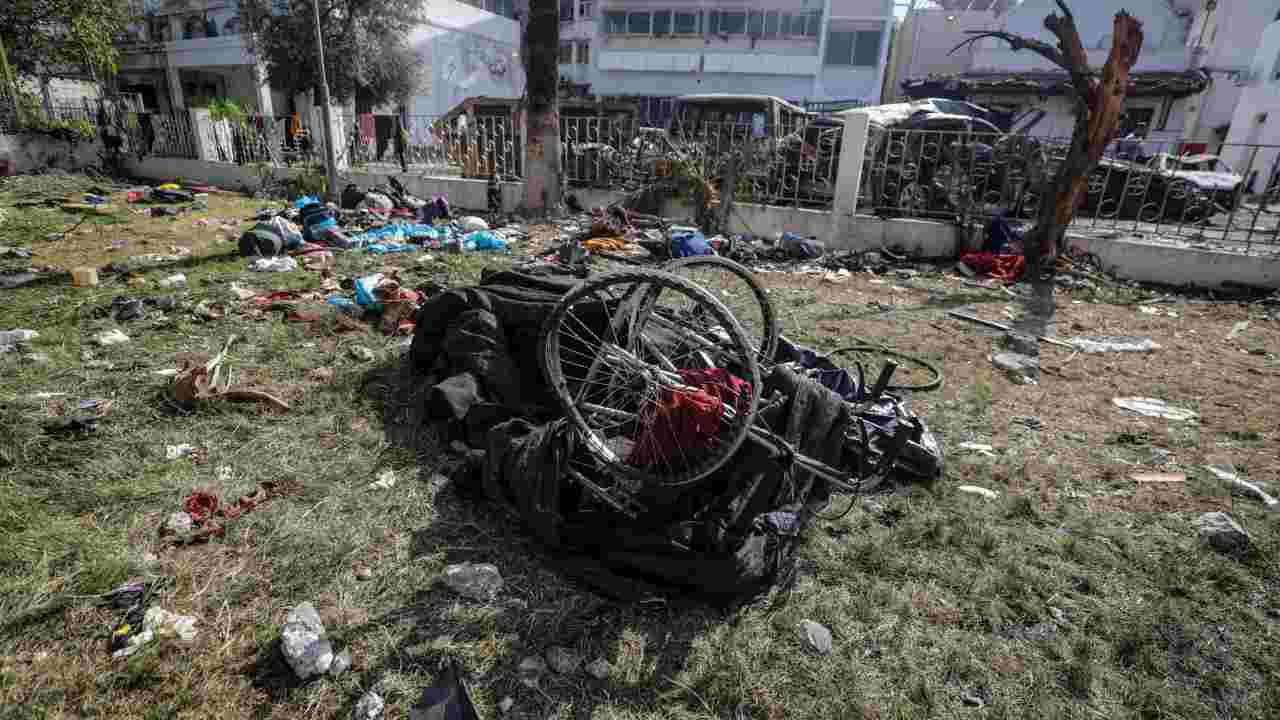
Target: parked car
1186 188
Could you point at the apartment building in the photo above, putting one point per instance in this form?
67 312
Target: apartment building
651 51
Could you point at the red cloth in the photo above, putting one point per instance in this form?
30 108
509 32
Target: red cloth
685 421
201 506
368 128
1001 267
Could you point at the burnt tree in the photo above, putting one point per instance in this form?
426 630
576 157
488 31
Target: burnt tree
540 47
1098 101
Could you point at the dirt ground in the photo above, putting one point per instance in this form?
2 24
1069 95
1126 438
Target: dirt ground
1079 592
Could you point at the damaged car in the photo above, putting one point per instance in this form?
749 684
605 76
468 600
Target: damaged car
1188 188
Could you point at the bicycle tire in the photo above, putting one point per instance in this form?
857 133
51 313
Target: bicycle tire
771 330
652 282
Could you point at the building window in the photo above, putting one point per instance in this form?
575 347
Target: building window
797 25
686 23
662 22
755 24
566 53
584 10
771 24
853 47
814 25
733 23
584 53
639 23
615 23
566 11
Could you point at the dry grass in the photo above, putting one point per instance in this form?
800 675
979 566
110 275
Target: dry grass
1077 594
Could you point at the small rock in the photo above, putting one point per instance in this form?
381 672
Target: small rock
871 507
871 649
1021 366
369 707
1030 422
599 669
361 353
972 699
815 638
304 644
175 452
506 704
1161 457
174 281
563 660
531 669
476 581
1022 344
980 491
1222 533
341 663
1059 615
363 573
178 523
459 447
111 337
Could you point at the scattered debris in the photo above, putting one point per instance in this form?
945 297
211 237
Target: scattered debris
476 581
1161 457
1153 407
563 661
815 638
174 281
1005 328
1242 487
179 524
369 707
156 623
506 704
1022 344
174 452
531 670
361 353
1237 329
980 491
1147 478
341 663
979 448
304 644
11 339
125 309
363 572
111 337
1023 369
197 383
1222 533
386 480
1030 422
599 669
1119 343
273 264
447 699
11 281
72 426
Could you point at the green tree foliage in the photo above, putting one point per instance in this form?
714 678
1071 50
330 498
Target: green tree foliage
366 49
45 37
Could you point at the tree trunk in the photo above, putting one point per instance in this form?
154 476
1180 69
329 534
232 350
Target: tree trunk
1098 108
541 51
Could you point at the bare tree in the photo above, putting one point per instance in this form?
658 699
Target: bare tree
540 47
1098 102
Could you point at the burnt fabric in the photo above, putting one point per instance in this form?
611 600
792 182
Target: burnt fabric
685 421
749 514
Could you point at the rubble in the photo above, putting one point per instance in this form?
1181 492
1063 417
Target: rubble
304 643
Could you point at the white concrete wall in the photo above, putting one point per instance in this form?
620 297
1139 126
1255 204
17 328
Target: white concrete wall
28 152
926 38
1164 48
1256 119
1133 259
464 52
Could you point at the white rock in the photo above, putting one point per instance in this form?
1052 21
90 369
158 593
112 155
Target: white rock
174 281
507 703
341 663
174 452
369 707
386 480
1153 407
975 490
476 581
815 637
111 337
1222 533
304 644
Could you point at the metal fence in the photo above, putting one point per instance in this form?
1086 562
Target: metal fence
471 147
162 134
1152 189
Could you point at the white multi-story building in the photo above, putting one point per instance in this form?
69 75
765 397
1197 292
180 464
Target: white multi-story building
654 50
1253 140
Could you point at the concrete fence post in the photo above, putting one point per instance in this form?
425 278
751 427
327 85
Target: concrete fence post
853 146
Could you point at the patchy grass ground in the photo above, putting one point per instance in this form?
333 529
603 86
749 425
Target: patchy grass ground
1076 594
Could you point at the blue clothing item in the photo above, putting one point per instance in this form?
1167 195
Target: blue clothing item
483 240
686 243
390 247
306 200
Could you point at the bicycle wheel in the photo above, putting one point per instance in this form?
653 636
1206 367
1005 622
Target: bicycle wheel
725 279
657 376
